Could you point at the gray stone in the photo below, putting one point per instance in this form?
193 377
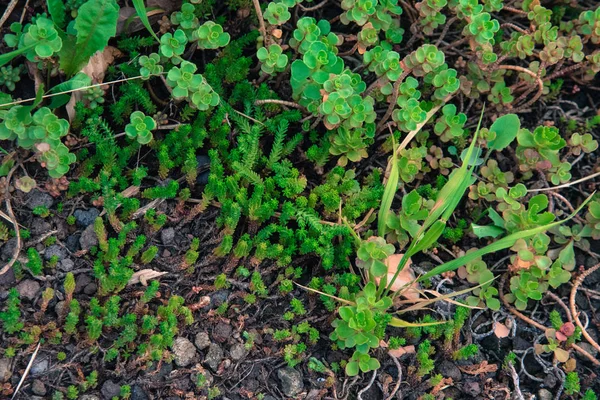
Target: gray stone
471 388
28 289
8 249
449 370
202 340
545 394
291 381
55 250
184 352
110 390
238 351
38 387
67 265
88 397
81 282
90 289
39 226
167 236
40 365
550 380
7 280
137 393
217 298
36 198
72 242
214 356
88 238
5 370
61 308
85 218
589 348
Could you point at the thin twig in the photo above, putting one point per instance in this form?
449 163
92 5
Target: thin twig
515 378
72 90
14 222
280 102
539 80
313 8
359 397
562 304
592 176
261 20
577 283
33 356
8 11
397 386
537 324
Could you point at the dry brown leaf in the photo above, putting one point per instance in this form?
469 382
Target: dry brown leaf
144 275
399 352
561 355
570 365
404 278
34 71
501 330
99 63
477 369
95 69
444 383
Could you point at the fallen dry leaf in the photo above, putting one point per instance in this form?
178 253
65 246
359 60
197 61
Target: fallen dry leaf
501 330
477 369
400 351
95 69
99 63
404 278
143 276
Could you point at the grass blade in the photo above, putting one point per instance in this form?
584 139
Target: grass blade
140 9
391 187
498 245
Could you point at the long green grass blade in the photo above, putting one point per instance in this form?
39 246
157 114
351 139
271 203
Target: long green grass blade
388 196
140 9
498 245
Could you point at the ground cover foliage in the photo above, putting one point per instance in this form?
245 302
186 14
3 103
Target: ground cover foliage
309 199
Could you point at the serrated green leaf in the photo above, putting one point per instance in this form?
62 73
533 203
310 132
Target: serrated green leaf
96 24
56 8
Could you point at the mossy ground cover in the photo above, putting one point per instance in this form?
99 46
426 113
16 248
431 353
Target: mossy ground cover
247 199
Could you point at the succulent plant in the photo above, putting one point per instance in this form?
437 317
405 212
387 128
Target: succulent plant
140 127
42 38
186 18
277 13
203 97
173 45
183 79
450 125
211 36
9 76
272 59
150 65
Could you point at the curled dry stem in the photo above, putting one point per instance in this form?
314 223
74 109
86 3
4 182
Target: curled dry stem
14 222
539 80
574 312
540 326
